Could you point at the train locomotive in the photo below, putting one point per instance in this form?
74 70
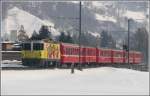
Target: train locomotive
48 53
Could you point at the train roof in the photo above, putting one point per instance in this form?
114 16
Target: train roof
76 45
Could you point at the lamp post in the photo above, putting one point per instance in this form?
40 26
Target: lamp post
128 40
80 66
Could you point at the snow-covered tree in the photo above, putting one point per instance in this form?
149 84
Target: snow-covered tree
141 42
22 34
35 36
44 33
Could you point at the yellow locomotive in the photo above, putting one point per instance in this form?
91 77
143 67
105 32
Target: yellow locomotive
40 53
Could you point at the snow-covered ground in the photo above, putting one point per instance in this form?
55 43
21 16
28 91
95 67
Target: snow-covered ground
93 81
11 63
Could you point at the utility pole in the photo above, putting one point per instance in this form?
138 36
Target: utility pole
80 66
128 40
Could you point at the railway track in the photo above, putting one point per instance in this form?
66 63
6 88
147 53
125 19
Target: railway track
139 67
23 68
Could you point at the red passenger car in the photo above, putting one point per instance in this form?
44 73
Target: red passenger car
104 56
69 53
137 57
90 55
118 56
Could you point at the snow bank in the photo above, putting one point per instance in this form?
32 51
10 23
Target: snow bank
94 81
10 61
12 65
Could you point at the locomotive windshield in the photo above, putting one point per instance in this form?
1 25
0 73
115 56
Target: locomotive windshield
26 46
37 46
32 46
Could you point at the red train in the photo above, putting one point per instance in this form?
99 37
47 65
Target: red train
70 54
48 53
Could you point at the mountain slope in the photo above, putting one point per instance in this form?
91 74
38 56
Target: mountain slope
17 17
96 15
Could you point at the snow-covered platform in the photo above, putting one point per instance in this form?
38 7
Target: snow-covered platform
93 81
11 64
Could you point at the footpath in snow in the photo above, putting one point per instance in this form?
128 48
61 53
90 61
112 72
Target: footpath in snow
93 81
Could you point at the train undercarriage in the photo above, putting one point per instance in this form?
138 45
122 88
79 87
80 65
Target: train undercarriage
41 63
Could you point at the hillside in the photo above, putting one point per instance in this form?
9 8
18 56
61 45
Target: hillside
96 16
17 17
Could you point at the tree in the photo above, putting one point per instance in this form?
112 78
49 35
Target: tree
35 36
62 37
65 38
69 38
22 34
111 42
44 33
104 39
141 42
107 40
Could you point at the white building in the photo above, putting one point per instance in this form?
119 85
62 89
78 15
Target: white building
13 35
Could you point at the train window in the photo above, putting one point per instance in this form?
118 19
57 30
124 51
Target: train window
138 55
78 51
118 54
37 46
75 51
26 46
86 52
67 51
92 52
89 52
101 53
71 51
106 53
131 55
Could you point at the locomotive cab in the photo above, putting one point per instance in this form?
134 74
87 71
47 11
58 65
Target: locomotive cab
40 53
32 53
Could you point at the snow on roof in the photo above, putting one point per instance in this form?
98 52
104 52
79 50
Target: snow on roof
95 34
